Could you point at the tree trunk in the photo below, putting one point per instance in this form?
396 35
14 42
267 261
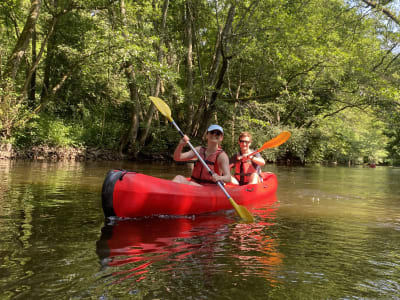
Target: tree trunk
210 110
189 66
32 82
236 97
14 62
160 56
207 107
129 140
46 77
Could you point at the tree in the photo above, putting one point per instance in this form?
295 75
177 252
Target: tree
258 65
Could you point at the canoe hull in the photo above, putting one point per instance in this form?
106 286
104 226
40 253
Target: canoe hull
131 194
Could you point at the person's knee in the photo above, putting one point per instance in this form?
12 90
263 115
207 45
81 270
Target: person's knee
179 178
254 178
234 180
182 179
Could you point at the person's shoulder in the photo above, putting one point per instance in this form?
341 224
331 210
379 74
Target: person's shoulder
222 153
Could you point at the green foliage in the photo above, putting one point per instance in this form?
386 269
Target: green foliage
44 130
13 111
164 139
91 131
308 67
356 138
393 134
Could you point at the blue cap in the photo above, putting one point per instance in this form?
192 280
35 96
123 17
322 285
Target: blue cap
215 127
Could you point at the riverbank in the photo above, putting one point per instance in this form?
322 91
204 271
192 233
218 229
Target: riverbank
48 153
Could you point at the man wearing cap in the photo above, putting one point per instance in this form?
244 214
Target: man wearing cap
217 160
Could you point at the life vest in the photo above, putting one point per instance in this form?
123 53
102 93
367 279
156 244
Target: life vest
200 173
243 170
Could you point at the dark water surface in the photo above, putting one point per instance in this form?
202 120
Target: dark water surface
333 233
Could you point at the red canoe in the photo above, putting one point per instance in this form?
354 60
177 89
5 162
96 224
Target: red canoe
131 194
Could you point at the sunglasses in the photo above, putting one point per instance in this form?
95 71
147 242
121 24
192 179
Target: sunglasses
244 142
216 132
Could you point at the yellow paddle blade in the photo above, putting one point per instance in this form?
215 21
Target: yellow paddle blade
162 107
242 212
276 141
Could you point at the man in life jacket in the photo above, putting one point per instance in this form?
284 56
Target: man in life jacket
247 168
217 160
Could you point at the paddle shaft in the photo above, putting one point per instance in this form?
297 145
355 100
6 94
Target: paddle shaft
220 184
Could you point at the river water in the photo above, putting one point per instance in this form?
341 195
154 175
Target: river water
333 233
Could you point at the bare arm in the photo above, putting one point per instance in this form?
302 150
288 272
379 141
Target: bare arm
258 160
185 156
223 164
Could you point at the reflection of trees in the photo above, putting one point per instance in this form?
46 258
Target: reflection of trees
38 223
16 216
4 179
15 205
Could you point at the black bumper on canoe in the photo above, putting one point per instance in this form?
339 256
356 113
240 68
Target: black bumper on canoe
108 191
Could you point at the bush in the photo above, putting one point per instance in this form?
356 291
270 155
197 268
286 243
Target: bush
45 130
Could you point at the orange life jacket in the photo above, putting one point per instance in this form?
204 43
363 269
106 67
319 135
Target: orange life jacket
200 173
243 170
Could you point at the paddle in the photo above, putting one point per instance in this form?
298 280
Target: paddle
275 142
240 210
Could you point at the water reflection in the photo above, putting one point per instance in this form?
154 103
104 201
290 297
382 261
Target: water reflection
345 246
140 243
135 249
259 249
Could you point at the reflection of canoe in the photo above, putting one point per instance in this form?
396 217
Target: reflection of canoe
131 194
152 239
133 247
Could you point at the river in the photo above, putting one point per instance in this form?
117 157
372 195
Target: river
333 233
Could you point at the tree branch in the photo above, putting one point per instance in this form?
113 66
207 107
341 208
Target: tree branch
387 12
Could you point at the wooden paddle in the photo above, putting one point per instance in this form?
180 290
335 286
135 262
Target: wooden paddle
275 142
240 210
